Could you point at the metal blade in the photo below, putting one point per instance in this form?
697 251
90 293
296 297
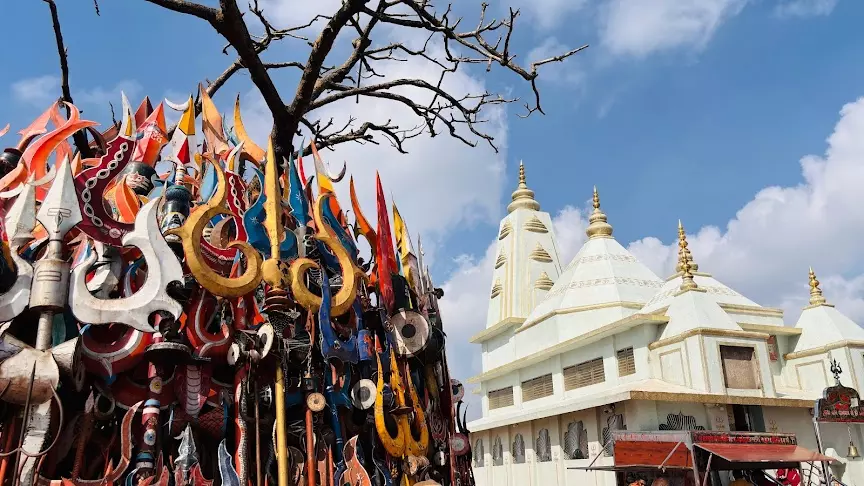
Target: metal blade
60 212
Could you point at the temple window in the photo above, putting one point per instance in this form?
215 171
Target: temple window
739 367
584 374
500 398
626 363
537 388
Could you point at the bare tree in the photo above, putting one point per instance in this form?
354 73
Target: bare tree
80 138
487 43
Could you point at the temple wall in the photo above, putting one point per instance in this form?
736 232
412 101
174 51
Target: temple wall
537 467
546 461
499 350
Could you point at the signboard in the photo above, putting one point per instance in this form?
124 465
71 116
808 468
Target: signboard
839 404
662 436
716 437
705 436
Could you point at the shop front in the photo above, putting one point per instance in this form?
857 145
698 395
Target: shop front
697 458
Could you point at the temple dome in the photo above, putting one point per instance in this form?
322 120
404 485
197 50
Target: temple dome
718 291
602 274
821 324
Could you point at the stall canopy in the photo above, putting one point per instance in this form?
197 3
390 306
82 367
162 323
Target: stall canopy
733 456
737 450
669 450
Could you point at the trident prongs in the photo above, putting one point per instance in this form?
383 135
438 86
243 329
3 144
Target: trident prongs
19 224
134 311
272 269
190 235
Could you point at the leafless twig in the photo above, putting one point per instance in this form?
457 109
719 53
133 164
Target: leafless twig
79 137
448 47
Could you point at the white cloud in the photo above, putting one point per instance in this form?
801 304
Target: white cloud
441 184
764 251
285 13
544 14
641 27
805 8
100 95
39 91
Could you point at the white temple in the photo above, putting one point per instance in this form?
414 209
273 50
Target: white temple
573 352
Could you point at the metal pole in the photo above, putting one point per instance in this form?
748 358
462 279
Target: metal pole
707 470
281 444
662 465
825 472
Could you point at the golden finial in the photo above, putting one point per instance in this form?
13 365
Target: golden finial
523 197
685 261
687 282
598 227
683 251
816 297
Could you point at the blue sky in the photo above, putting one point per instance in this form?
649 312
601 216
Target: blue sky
679 109
729 118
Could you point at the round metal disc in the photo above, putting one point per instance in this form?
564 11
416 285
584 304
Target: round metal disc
458 389
363 394
411 332
315 402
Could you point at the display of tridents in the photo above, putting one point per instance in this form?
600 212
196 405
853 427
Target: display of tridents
176 314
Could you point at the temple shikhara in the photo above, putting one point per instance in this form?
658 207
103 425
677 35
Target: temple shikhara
184 313
599 372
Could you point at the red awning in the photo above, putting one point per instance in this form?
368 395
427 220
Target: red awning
754 453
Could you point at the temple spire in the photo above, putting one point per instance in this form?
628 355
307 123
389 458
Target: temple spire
816 297
685 261
684 252
523 197
598 227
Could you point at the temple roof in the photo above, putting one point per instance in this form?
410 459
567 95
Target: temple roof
692 308
822 324
718 291
603 272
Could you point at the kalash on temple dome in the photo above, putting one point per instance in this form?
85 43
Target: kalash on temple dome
176 315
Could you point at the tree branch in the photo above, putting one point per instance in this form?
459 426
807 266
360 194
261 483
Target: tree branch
473 40
204 12
320 48
79 137
360 45
488 42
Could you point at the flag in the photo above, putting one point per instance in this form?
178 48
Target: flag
384 253
401 230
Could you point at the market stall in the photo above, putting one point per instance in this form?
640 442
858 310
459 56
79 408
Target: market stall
690 457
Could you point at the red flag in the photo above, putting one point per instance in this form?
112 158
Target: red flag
384 253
